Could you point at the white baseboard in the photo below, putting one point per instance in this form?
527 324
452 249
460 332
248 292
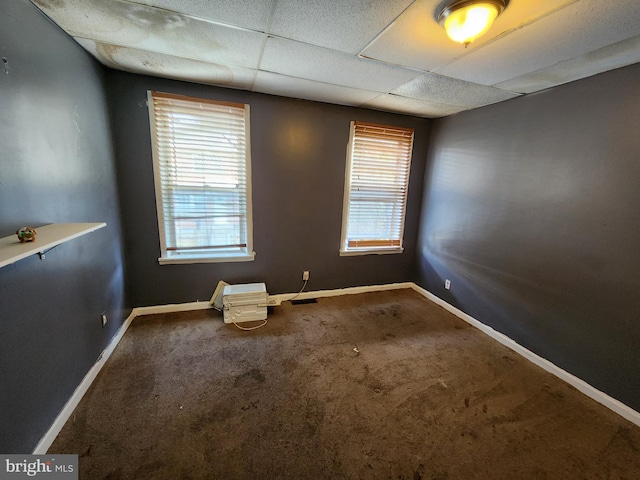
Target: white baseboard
174 307
66 412
590 391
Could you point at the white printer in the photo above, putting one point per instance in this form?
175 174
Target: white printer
244 303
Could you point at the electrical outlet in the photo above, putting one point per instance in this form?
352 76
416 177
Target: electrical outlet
447 284
305 275
103 317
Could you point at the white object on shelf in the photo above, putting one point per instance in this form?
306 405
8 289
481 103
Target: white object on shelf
245 303
49 236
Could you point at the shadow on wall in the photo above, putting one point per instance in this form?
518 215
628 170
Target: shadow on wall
464 287
479 291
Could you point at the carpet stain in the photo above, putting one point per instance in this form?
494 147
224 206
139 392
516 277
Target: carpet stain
252 405
289 365
623 439
147 470
203 422
314 415
247 379
294 400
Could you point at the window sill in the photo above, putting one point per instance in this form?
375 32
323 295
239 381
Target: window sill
371 251
184 259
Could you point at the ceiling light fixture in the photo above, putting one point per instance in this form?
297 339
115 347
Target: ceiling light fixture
467 20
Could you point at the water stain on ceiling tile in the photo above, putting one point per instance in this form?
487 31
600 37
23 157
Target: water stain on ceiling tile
250 14
387 54
72 16
157 64
156 30
50 3
151 17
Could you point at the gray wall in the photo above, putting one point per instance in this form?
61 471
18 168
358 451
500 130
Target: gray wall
531 209
56 166
298 160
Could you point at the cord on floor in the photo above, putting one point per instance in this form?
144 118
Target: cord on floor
248 329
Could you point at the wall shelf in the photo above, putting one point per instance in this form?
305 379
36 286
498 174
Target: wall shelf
49 236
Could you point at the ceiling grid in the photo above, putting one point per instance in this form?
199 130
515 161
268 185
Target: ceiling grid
388 55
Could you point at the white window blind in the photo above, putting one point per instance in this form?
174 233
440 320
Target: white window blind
377 177
202 172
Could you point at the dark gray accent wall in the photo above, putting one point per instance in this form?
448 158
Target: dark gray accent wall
531 209
56 166
298 159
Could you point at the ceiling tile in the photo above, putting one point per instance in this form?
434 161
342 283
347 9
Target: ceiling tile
437 88
156 30
621 54
416 40
168 66
347 26
251 14
412 106
352 52
300 60
566 33
283 85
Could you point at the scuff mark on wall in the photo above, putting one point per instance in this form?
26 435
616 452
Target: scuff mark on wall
77 120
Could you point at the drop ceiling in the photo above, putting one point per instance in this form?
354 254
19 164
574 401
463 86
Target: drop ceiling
382 54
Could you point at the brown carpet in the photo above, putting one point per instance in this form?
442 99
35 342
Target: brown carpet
372 386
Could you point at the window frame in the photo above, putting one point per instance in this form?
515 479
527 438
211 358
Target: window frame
246 253
345 249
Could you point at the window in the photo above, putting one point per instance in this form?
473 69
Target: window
202 173
375 193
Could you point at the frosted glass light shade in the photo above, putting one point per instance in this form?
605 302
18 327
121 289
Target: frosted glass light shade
466 21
